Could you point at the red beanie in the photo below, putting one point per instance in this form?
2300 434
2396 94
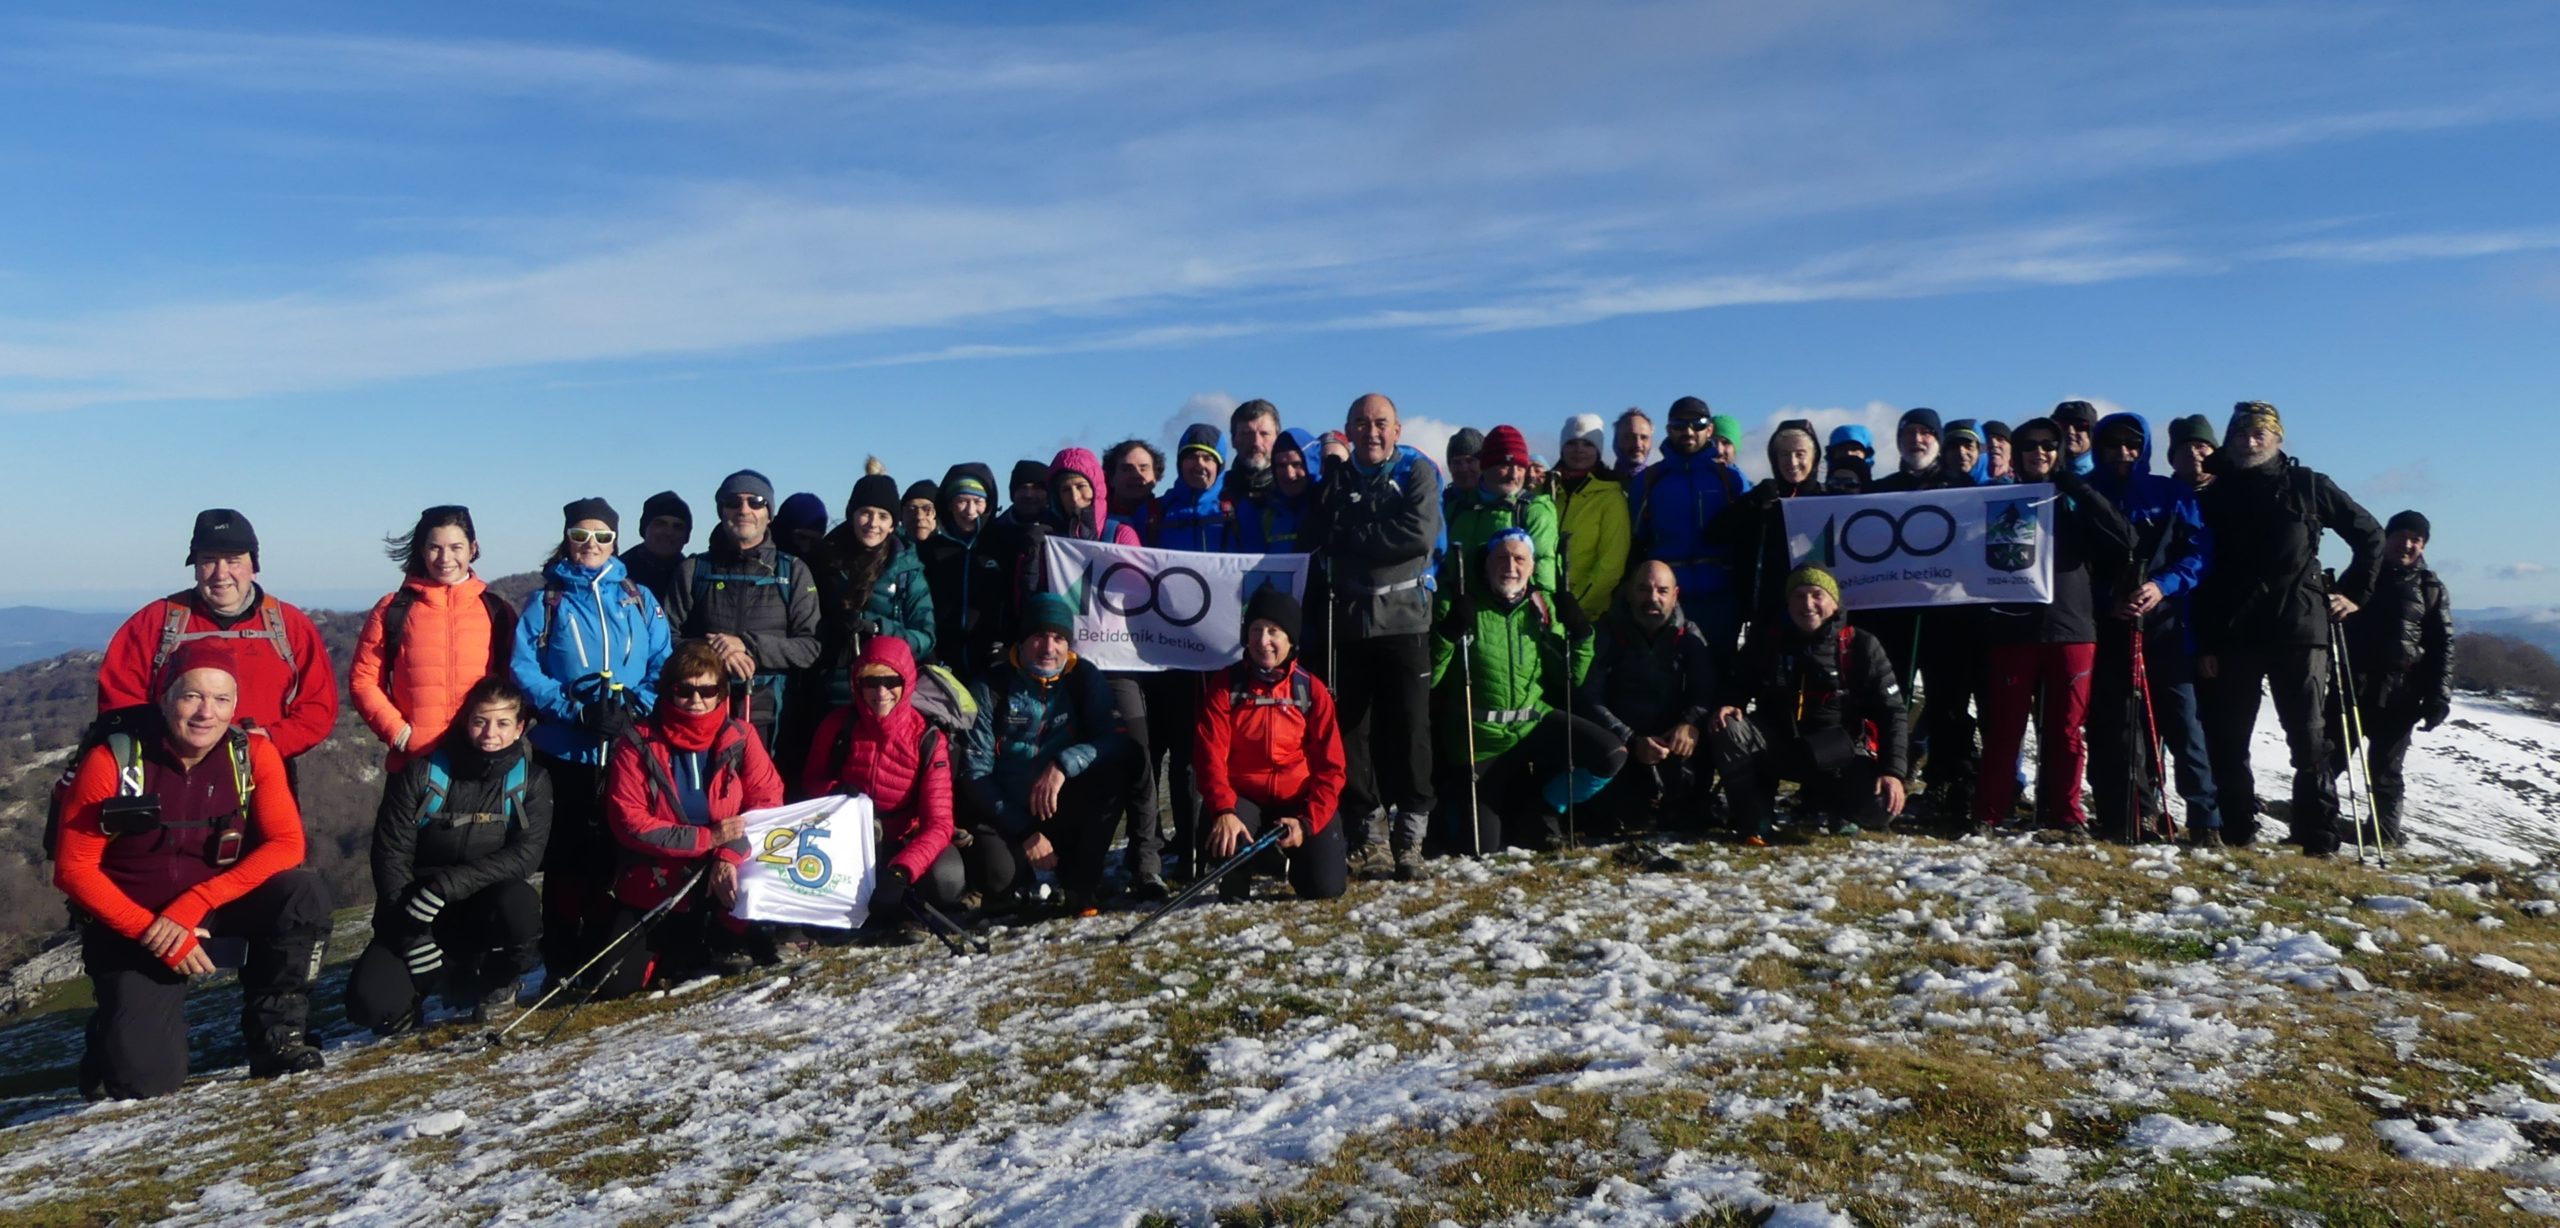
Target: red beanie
1504 445
196 655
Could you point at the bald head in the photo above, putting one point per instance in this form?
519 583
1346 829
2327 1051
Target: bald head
1374 429
1653 593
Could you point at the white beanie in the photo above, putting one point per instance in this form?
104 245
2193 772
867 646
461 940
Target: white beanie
1586 427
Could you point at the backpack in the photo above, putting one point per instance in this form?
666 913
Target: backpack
121 732
729 758
440 785
553 591
944 701
395 627
1302 692
173 633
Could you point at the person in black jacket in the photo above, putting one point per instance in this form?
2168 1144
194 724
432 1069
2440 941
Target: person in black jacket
754 604
1753 529
1825 711
2047 650
2262 616
1652 684
455 844
1940 650
966 570
2399 664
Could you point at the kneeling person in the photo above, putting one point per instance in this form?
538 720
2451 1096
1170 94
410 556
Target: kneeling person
178 829
1826 712
1045 765
1268 751
455 845
881 747
1526 653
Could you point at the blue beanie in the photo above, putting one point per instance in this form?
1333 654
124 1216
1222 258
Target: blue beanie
1049 612
1853 433
800 511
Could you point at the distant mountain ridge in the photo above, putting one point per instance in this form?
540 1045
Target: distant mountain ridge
2538 625
32 633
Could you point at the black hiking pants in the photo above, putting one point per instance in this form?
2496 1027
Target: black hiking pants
137 1036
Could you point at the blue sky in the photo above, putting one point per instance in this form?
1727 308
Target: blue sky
330 264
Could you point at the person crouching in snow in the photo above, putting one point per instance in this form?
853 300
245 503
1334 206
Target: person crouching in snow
455 844
880 747
673 796
1267 752
1826 712
1529 653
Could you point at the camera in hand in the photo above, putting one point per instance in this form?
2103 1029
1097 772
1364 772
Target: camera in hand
129 816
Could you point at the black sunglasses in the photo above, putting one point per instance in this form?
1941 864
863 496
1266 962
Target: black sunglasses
877 683
2039 445
695 690
753 503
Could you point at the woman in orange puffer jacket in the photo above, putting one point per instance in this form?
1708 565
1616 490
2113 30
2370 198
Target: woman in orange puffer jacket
426 644
880 746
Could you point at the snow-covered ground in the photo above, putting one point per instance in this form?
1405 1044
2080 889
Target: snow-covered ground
1901 1030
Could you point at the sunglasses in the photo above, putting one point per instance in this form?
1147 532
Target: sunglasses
696 690
881 684
753 503
601 537
1687 424
2038 445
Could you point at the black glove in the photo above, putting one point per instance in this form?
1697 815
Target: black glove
889 891
607 718
1765 495
421 903
1460 621
2435 713
422 956
1569 612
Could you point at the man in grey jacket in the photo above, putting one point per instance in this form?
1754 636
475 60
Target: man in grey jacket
754 604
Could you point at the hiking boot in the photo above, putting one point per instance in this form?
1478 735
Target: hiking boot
285 1060
2205 838
1235 888
733 963
908 932
1375 862
1408 864
2074 834
494 1001
1148 888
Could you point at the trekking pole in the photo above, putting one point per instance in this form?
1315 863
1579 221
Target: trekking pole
2150 730
2355 821
1268 839
1564 592
946 929
2357 762
1467 718
641 926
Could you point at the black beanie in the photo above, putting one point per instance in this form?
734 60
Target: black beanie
2081 412
922 489
666 503
221 530
1275 605
1028 473
2194 428
1924 418
2412 521
874 490
1993 428
593 507
1689 407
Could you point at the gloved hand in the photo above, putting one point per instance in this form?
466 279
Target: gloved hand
421 904
1569 612
889 892
2435 713
1460 621
423 956
607 718
1765 495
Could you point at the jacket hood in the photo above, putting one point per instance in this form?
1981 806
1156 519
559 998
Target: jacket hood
1082 463
1304 442
893 652
984 476
575 576
2100 476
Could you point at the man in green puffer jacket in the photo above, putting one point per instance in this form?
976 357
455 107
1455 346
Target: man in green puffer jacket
1524 653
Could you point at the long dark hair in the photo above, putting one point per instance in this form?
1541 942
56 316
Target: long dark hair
410 549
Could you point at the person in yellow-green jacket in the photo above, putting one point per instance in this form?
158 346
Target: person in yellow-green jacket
1591 508
1501 499
1505 661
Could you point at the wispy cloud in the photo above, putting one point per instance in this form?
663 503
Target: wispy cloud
1070 186
2520 571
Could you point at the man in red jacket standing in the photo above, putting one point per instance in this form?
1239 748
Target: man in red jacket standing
288 694
1268 751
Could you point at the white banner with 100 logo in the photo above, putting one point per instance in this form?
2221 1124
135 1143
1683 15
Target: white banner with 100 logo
808 863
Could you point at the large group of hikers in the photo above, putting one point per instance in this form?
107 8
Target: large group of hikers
1494 652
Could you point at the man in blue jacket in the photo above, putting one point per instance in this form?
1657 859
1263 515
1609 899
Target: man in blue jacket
2126 726
1672 505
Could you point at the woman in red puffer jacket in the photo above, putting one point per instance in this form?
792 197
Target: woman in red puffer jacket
881 747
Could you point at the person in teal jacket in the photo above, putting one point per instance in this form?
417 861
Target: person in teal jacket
1524 654
588 649
871 583
1040 787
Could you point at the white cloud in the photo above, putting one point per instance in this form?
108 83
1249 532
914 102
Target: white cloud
1430 436
1877 416
2520 571
1208 407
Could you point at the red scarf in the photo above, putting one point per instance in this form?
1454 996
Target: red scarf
687 732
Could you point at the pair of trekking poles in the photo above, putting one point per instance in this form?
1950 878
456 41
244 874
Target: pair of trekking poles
1467 700
2358 766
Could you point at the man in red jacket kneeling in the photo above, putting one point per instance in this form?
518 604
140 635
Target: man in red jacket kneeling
1268 752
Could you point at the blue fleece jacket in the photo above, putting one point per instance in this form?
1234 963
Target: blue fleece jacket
2171 544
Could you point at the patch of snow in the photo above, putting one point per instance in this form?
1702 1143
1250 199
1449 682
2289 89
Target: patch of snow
2475 1142
2162 1133
2502 964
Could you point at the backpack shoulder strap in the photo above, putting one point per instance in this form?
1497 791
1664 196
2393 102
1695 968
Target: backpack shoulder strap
439 786
1302 689
173 630
552 594
244 776
519 780
502 629
395 624
271 613
127 750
